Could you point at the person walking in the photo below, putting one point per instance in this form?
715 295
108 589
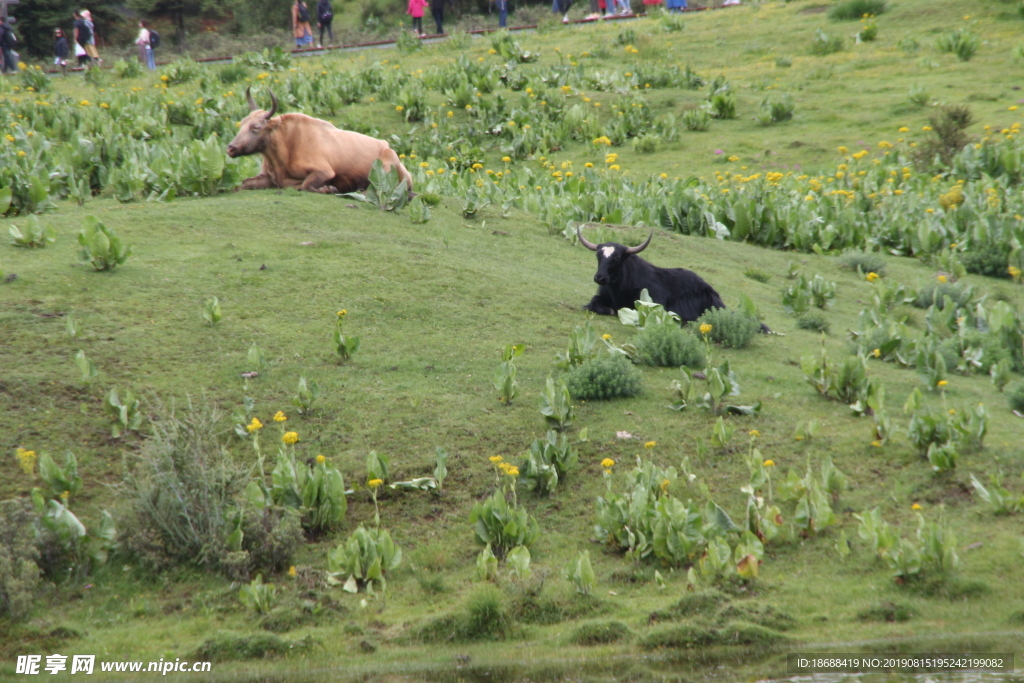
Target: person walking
324 19
300 24
81 34
90 45
415 10
502 13
7 42
144 41
60 51
437 11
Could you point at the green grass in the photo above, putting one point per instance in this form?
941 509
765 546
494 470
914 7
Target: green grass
434 304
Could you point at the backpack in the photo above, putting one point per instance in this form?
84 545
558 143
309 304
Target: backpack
84 32
154 39
326 12
303 14
8 39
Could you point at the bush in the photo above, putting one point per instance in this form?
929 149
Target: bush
864 262
669 346
730 327
231 647
887 611
783 62
232 73
947 137
936 293
646 144
813 321
19 572
180 504
600 633
690 636
604 378
825 44
775 110
990 259
849 10
757 275
484 618
961 42
1016 398
696 119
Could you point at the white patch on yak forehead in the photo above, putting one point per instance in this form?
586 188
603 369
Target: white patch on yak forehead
607 251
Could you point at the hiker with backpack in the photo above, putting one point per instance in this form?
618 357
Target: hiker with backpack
146 41
324 17
90 44
82 35
7 42
300 24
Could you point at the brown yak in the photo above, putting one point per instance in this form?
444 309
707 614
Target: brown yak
309 154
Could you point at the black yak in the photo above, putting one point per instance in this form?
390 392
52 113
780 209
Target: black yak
622 275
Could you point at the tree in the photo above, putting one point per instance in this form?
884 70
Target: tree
179 10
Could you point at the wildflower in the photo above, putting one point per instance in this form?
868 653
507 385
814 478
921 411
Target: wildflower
506 159
342 313
607 463
399 108
876 443
254 426
320 460
942 279
705 328
734 158
1014 272
613 167
84 103
941 383
650 444
754 433
164 78
871 277
451 114
291 571
926 128
1013 108
663 176
375 483
768 463
877 353
495 459
884 145
65 495
21 153
915 507
27 460
104 105
9 138
279 416
290 438
606 337
665 483
903 129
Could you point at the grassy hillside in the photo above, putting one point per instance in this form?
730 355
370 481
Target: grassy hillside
434 304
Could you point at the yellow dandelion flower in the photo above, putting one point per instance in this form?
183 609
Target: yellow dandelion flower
506 159
941 383
705 328
399 108
606 337
871 277
768 463
279 416
613 167
876 443
607 463
650 444
290 438
320 460
291 571
942 279
512 471
375 483
65 495
734 158
903 129
754 433
496 459
342 313
254 426
915 507
877 353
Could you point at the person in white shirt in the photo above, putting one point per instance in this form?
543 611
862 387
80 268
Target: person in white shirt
145 49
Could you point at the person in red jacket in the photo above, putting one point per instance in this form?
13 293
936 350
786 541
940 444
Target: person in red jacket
415 10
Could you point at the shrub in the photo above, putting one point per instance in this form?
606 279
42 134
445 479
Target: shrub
131 68
886 611
101 246
849 10
690 636
991 259
179 503
600 633
646 144
669 346
696 119
180 71
484 618
813 321
232 73
757 275
947 137
226 647
19 573
1016 398
918 96
775 110
868 32
723 105
783 62
627 36
604 378
864 262
730 327
961 42
936 293
824 44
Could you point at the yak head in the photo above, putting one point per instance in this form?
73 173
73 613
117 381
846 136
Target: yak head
611 257
253 129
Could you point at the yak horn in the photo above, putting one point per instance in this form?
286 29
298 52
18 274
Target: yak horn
583 240
637 250
273 107
248 96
